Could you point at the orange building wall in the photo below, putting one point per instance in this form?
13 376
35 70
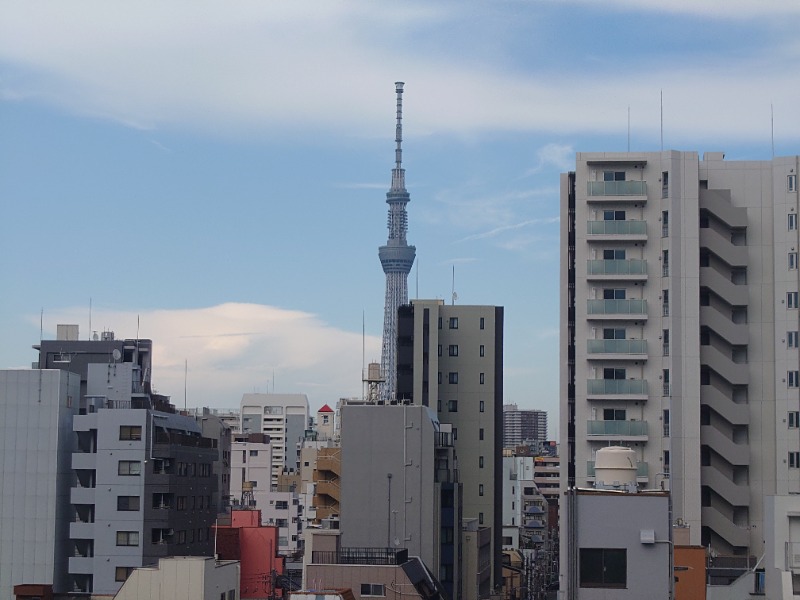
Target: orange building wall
691 582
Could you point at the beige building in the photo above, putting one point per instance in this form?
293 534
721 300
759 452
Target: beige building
679 333
183 578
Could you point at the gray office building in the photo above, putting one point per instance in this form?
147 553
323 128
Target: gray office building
523 426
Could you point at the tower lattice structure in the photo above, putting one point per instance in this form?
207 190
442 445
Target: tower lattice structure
397 257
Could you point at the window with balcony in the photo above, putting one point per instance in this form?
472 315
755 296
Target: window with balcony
609 373
611 333
603 567
613 293
613 414
614 254
613 215
613 175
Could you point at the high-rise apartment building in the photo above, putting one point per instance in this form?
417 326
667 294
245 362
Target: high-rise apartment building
450 358
679 336
522 426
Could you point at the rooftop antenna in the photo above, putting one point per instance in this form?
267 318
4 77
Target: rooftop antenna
772 126
363 349
90 315
629 128
41 338
185 380
662 120
454 296
416 291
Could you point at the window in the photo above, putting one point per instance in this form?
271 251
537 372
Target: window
665 341
452 405
666 422
455 433
481 406
452 350
128 503
453 323
440 322
665 303
791 183
439 378
792 257
794 460
480 489
480 518
373 589
129 467
325 419
482 350
611 333
614 254
253 452
791 339
603 567
794 419
483 323
665 184
122 573
665 381
452 377
127 538
791 221
613 414
439 350
482 378
665 263
480 433
480 462
181 503
791 299
793 379
182 537
447 535
614 373
666 462
613 215
613 175
130 432
613 294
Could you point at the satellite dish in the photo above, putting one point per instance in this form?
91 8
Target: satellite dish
116 354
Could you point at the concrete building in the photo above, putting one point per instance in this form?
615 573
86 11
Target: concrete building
284 418
399 486
450 358
183 578
680 333
325 425
523 426
36 444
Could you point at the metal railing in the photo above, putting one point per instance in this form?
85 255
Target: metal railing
628 266
622 428
360 556
617 188
630 227
616 346
616 386
625 306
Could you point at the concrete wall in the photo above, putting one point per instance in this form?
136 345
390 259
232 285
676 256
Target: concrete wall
183 578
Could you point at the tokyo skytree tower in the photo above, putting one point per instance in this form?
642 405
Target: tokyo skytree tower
396 257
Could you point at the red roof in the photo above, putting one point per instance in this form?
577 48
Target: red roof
325 408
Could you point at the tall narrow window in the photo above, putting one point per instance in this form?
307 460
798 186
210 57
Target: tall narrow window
791 183
791 339
794 419
665 341
483 322
794 460
665 381
482 350
482 379
791 299
665 303
666 422
793 379
665 263
664 223
792 221
792 261
665 184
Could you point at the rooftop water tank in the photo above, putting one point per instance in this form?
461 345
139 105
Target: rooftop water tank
615 468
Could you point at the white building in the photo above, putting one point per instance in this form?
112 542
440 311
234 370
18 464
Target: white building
284 418
679 332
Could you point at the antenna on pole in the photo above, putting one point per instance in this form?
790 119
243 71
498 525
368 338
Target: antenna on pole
772 126
416 291
662 120
41 337
454 296
629 128
363 349
185 380
90 317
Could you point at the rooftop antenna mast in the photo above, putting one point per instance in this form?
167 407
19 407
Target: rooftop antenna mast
453 289
662 120
772 126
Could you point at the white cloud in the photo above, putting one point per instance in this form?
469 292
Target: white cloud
328 66
236 348
560 156
730 9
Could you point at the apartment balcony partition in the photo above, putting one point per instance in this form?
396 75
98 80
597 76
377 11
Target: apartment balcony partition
617 430
627 269
609 231
631 309
616 349
616 389
616 191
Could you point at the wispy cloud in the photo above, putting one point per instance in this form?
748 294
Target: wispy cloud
362 186
732 9
458 261
235 348
506 228
560 156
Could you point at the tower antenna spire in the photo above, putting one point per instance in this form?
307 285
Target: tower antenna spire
396 257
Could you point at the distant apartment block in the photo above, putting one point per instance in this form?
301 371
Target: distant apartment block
523 426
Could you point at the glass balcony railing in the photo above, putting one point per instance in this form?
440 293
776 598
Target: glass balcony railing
616 346
617 188
641 469
609 387
630 266
616 227
625 306
620 428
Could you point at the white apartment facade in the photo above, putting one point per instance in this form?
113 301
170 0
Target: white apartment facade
679 333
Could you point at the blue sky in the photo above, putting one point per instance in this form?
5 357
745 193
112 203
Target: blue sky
218 170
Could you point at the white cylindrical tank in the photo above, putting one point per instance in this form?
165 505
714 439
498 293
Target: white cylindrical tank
615 468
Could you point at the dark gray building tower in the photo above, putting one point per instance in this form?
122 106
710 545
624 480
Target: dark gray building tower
396 257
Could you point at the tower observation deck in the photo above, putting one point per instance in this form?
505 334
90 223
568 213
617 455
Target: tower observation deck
397 257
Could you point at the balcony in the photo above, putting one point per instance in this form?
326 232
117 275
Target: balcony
81 565
616 389
616 349
81 531
609 231
617 430
631 191
82 460
629 269
534 524
82 495
622 309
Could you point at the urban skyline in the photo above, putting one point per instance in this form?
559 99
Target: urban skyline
231 212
